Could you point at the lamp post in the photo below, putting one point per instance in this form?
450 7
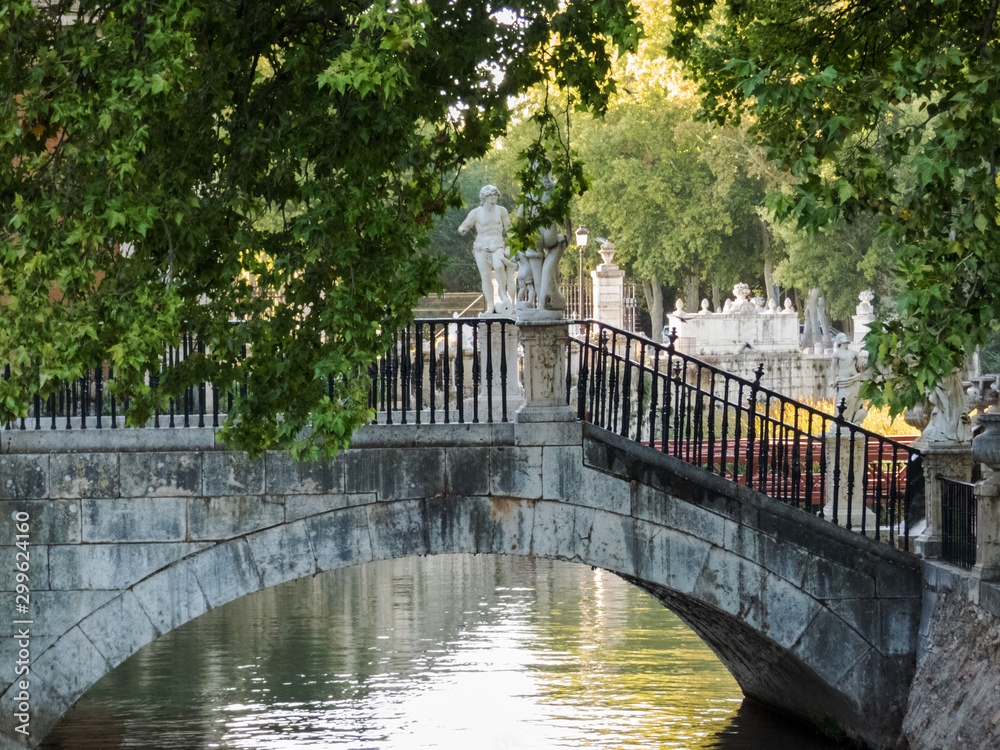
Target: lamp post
581 242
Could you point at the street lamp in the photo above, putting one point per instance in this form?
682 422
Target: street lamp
581 242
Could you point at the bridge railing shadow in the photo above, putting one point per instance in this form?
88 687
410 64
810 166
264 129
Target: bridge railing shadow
748 434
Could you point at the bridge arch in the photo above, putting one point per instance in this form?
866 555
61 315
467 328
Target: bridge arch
808 617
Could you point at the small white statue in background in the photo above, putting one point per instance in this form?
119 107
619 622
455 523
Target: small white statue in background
544 259
492 222
949 421
847 373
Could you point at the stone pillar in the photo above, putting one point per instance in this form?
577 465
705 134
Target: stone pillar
495 342
544 343
987 492
952 461
986 448
839 449
609 289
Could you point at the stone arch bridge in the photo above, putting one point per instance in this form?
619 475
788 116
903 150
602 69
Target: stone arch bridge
126 545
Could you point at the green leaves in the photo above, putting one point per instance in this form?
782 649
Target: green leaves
879 109
276 165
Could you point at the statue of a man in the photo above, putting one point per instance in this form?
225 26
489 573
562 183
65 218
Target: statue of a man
491 222
847 373
544 259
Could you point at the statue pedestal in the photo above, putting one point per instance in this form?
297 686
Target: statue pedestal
949 460
544 343
846 507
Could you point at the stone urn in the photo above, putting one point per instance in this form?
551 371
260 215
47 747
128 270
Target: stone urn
986 445
917 417
607 252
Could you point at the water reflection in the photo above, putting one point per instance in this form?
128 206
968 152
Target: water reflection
441 652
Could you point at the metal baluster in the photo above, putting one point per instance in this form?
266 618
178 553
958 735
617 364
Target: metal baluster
653 393
699 418
405 374
626 387
154 382
504 374
99 389
447 372
725 430
114 401
84 400
171 359
476 375
201 390
710 397
836 462
489 371
418 375
752 422
188 394
879 486
433 368
582 378
640 392
616 381
460 372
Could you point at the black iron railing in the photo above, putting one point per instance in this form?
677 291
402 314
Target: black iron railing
436 370
88 402
958 522
446 370
738 429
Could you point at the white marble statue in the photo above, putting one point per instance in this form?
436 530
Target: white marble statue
949 421
847 373
525 280
544 259
491 223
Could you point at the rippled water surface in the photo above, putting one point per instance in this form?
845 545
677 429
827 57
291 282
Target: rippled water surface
441 652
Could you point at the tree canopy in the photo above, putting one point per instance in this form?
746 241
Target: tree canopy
260 175
851 98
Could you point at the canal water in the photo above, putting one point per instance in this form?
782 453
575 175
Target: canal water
451 652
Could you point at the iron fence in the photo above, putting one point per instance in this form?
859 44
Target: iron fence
736 428
446 370
460 370
958 522
436 370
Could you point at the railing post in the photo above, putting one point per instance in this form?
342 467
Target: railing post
752 422
986 448
544 343
952 461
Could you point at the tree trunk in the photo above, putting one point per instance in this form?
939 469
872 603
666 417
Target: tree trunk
769 283
716 297
692 301
654 301
765 237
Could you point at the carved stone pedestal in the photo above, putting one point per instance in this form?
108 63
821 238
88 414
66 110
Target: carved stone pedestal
952 461
544 343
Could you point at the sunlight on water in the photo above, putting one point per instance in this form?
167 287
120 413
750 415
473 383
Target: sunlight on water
444 652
